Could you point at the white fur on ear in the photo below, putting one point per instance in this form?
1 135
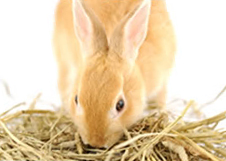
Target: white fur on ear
79 110
82 24
135 30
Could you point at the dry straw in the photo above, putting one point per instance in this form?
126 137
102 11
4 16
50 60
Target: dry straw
47 135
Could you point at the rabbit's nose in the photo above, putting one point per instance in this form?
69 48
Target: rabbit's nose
91 147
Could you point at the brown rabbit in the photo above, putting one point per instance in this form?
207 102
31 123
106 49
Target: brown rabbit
113 56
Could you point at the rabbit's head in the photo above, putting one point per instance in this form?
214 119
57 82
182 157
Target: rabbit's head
109 91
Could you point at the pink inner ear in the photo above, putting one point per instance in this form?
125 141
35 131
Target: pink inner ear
136 28
82 22
137 24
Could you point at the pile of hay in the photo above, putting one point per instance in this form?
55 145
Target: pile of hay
47 135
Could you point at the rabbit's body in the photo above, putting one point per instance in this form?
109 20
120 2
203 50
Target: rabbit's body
153 63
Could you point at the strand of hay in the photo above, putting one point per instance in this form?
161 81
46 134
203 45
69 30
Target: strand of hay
47 135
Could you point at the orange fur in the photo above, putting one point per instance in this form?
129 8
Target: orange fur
98 79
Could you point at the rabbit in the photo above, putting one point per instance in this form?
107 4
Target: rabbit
113 57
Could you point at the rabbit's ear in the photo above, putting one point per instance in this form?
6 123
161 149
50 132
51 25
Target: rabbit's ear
88 29
131 32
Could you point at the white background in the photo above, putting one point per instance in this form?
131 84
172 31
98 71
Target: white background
27 63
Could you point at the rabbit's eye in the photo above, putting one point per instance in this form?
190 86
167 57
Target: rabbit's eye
76 99
120 105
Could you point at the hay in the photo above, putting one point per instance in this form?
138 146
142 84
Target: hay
47 135
34 134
